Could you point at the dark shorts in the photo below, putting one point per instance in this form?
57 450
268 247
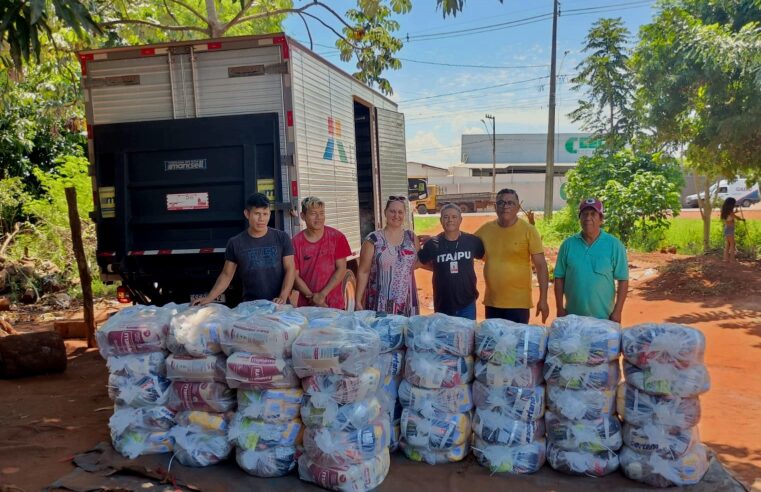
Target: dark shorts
517 315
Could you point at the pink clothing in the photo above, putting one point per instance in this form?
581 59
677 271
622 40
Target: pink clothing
316 263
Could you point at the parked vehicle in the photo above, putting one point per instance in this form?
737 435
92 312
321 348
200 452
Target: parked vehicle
736 189
433 200
181 133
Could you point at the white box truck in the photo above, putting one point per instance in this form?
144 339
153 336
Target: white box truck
179 134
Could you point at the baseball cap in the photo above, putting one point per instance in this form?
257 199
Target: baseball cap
591 203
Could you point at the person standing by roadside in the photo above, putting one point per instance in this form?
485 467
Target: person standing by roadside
262 256
589 263
450 255
387 262
511 246
320 255
728 217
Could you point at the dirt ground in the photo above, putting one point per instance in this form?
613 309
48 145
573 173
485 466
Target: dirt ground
45 420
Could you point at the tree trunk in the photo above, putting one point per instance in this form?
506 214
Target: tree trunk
211 14
85 280
705 212
31 354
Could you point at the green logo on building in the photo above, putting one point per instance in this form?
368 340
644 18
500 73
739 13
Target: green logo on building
588 144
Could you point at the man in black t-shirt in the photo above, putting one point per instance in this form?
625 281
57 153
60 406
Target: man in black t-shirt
450 255
262 256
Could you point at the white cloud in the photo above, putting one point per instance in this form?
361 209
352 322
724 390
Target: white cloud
427 147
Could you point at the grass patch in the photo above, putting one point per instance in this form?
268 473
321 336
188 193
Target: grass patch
426 225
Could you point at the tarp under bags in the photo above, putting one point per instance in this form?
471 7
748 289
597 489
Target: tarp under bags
351 447
137 365
581 376
664 343
665 379
436 456
510 402
204 397
267 335
656 471
493 428
252 371
493 375
432 370
581 462
196 330
526 458
344 389
203 369
638 407
271 405
584 340
441 334
145 391
339 346
458 399
348 478
591 436
500 341
134 330
581 404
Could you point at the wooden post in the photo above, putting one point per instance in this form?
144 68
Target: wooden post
84 273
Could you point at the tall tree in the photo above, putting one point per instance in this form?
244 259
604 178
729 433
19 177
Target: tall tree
696 92
605 79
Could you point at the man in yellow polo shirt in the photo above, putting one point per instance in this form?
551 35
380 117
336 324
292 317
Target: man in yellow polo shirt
511 245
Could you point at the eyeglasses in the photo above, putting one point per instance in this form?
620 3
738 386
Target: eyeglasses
395 198
508 203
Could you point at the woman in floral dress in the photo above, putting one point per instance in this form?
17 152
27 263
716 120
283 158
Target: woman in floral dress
387 262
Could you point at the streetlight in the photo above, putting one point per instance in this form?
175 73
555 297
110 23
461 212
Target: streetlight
493 150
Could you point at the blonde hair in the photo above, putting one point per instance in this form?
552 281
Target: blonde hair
311 202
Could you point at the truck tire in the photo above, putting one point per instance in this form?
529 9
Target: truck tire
422 209
349 289
746 203
464 207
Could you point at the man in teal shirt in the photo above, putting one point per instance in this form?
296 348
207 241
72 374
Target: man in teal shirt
588 265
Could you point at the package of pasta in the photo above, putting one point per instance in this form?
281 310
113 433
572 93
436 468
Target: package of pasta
347 478
271 405
268 462
249 433
217 423
138 365
390 329
591 436
432 370
584 340
134 330
501 341
270 335
664 379
259 307
204 369
441 334
338 448
206 397
668 442
575 462
657 471
506 375
581 404
580 376
143 391
436 456
132 443
391 363
664 343
251 371
638 407
519 460
458 399
196 330
152 419
344 389
320 410
493 428
198 448
342 346
439 431
510 402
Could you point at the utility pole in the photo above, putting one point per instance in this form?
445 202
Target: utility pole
549 178
493 152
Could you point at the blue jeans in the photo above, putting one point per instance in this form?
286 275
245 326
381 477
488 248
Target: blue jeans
468 312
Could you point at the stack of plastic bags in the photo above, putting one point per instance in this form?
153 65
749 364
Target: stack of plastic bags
582 372
133 342
199 393
266 429
390 328
436 392
664 371
347 431
509 396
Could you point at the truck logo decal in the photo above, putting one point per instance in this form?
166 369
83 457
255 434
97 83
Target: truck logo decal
185 165
334 140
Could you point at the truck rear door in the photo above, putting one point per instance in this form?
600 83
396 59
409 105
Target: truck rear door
392 154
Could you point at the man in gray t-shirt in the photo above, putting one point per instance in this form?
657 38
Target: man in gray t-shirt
262 256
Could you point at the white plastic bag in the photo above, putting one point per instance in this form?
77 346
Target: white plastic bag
437 431
493 428
154 419
320 410
138 365
391 363
501 341
581 376
138 442
590 436
271 405
343 389
524 404
251 371
144 391
506 375
197 448
523 459
249 433
351 447
581 462
348 478
205 397
432 370
196 330
134 330
665 343
584 340
390 329
458 399
441 334
656 471
669 442
269 335
268 462
436 456
201 369
638 407
665 379
581 404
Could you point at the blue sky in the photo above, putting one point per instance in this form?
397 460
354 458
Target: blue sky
513 37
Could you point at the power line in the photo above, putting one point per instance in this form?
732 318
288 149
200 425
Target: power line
426 62
473 90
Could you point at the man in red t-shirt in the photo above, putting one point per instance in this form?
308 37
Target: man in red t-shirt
320 254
